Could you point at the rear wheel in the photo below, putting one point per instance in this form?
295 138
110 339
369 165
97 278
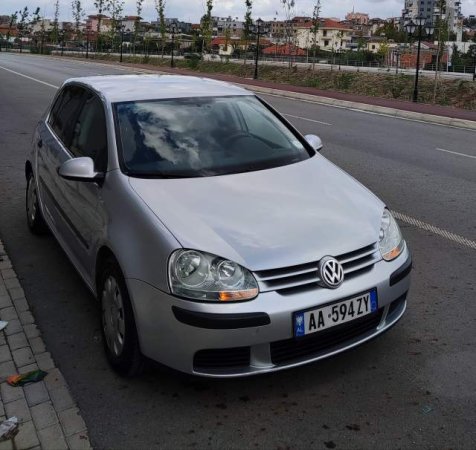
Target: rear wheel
35 220
118 325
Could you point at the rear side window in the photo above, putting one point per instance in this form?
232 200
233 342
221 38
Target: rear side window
64 112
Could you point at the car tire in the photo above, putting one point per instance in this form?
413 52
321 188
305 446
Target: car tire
119 331
34 216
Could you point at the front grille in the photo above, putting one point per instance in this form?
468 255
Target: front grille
306 275
222 358
283 352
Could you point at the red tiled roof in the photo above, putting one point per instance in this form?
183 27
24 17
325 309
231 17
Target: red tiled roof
327 23
286 49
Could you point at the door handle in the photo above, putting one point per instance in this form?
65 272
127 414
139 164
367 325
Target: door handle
39 143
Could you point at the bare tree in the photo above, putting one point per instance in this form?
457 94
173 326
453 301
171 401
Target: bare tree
101 7
139 4
78 15
55 30
288 7
115 7
160 9
316 22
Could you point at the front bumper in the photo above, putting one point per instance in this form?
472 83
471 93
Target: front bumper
239 339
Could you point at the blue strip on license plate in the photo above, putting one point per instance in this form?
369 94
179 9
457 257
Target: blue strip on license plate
324 317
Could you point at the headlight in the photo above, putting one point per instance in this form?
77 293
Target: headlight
202 276
391 242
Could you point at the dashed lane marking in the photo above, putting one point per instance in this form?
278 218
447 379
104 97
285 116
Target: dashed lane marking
309 120
455 153
435 230
30 78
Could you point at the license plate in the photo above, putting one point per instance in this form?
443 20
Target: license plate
314 320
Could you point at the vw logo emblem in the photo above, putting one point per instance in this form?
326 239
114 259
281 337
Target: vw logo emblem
331 272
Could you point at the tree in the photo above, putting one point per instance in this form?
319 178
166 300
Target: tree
383 51
160 9
78 14
137 21
248 24
115 8
22 25
207 26
101 7
35 18
390 31
288 7
12 21
55 31
316 22
441 31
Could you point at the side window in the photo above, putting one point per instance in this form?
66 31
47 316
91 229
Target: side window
64 112
89 132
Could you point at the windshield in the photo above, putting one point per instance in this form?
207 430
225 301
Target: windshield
196 137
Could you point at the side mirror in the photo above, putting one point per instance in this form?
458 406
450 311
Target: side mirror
80 169
314 141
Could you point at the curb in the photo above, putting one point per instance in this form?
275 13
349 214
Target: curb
48 417
364 107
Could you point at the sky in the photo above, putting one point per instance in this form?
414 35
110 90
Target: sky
192 10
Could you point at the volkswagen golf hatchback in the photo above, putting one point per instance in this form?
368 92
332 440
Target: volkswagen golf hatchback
217 239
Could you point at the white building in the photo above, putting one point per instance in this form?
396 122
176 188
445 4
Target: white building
332 36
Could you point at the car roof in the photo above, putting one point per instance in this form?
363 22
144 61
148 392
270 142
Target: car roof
123 88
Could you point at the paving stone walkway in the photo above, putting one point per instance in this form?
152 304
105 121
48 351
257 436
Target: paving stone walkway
47 414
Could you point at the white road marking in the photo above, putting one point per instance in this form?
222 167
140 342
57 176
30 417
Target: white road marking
455 153
390 116
309 120
435 230
30 78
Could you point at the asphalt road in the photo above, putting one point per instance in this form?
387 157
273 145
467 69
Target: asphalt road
412 388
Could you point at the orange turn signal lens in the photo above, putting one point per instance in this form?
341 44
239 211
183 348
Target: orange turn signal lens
233 296
392 254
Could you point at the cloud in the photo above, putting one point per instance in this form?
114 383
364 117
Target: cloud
192 10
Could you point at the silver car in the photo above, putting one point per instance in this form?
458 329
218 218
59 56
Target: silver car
217 239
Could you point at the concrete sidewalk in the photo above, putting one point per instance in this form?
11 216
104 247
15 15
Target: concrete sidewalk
47 414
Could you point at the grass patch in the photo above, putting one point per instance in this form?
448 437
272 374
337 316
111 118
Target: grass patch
450 92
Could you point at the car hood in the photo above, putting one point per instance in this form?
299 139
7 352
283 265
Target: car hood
267 219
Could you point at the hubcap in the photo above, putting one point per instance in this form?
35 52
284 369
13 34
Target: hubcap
113 316
31 200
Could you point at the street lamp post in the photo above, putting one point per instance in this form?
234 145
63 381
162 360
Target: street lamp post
173 30
258 29
418 24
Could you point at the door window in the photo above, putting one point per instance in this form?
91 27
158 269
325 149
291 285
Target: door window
64 113
89 133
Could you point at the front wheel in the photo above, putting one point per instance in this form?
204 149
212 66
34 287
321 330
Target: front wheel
119 331
34 217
